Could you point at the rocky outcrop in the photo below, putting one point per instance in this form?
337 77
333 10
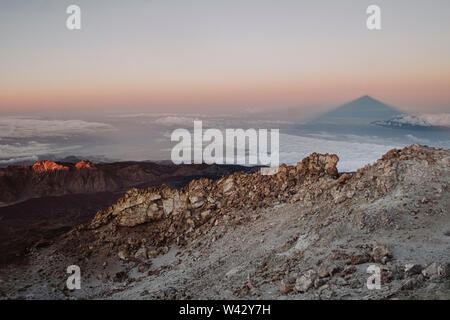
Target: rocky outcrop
179 215
84 164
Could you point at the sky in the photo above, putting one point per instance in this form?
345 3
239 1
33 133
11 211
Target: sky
221 56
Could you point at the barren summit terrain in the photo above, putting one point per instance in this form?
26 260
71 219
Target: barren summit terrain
307 232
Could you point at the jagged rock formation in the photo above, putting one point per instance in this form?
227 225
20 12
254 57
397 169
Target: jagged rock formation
181 213
45 165
306 232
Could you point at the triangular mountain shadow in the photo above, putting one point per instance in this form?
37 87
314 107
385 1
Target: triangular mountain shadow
362 110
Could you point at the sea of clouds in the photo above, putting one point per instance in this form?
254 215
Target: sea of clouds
29 139
15 127
147 137
20 152
352 154
442 119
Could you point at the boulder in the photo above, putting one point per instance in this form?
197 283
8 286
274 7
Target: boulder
306 281
287 285
413 269
141 254
326 270
431 270
123 255
380 253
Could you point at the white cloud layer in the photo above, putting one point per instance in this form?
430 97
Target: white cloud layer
175 120
18 152
11 127
354 152
441 119
352 155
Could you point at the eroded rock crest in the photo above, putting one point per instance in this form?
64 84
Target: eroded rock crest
203 199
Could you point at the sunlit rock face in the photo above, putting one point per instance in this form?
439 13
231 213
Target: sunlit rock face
84 164
46 165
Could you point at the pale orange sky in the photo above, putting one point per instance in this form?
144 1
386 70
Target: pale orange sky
222 55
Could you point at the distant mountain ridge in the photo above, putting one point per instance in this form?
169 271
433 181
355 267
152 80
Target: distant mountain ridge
407 121
49 178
